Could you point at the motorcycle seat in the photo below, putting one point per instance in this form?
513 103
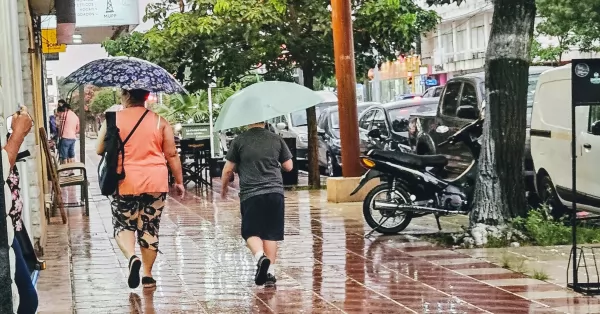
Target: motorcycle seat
412 160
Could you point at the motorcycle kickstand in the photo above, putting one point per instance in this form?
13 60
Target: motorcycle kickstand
437 219
379 224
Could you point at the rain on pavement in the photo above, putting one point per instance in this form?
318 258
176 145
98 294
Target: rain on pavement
325 265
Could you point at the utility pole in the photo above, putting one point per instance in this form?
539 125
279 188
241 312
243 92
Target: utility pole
345 73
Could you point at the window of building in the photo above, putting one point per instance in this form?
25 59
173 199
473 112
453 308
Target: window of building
448 43
478 37
461 41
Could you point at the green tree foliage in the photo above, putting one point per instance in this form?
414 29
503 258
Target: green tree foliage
551 53
103 100
193 108
571 22
227 39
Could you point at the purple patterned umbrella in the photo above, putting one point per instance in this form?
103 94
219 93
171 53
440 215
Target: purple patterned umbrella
127 73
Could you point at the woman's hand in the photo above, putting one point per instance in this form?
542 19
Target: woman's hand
180 189
21 122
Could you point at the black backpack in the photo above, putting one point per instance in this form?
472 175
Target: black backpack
108 174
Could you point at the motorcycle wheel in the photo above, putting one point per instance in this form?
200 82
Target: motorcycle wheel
386 228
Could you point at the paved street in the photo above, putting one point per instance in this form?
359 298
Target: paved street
326 266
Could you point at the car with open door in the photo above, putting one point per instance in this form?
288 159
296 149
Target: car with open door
392 119
462 102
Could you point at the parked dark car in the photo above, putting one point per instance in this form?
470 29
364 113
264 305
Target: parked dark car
392 119
435 91
462 101
406 96
328 125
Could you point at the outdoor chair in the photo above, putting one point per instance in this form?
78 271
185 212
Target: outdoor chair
58 182
195 161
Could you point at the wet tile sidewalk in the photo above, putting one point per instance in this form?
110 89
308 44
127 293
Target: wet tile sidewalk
325 266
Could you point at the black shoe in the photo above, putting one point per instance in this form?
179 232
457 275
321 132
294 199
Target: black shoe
261 270
134 272
271 280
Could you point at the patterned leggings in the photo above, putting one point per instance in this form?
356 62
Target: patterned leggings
141 214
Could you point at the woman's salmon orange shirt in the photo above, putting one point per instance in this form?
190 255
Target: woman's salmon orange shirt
145 164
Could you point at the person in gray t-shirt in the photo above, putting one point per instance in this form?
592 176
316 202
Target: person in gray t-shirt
258 156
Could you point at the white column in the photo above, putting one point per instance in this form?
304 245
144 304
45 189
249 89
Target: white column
486 29
454 41
440 48
468 47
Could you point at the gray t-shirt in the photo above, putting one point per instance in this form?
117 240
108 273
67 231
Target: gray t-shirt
258 154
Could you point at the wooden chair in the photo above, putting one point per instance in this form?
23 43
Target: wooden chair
59 182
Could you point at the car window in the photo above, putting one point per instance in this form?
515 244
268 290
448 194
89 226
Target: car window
379 122
450 100
468 96
335 120
593 118
437 92
429 93
365 120
322 122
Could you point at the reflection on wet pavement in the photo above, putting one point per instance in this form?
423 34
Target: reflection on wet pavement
325 266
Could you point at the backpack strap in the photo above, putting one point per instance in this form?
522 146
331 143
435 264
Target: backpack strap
122 148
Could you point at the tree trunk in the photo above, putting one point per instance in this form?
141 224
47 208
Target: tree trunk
314 175
500 190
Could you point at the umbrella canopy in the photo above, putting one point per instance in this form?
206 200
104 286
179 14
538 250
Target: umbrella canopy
263 101
126 73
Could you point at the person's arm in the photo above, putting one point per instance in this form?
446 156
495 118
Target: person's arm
100 140
12 147
285 157
77 127
170 151
232 159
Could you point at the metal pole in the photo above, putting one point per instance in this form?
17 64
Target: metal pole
343 49
82 123
574 203
210 123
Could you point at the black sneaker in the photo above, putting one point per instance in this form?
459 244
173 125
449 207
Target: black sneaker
271 280
261 270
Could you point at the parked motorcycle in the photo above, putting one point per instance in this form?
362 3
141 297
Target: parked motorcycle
410 187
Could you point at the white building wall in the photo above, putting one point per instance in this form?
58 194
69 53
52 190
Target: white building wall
11 96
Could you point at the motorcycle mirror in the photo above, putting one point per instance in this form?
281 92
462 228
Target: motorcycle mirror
442 129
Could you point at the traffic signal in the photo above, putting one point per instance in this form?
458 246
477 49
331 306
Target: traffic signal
410 80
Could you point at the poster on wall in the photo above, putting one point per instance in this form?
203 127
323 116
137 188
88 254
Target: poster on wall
96 13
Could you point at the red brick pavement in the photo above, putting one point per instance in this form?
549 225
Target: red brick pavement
325 266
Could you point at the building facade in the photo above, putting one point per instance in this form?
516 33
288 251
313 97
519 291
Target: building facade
459 43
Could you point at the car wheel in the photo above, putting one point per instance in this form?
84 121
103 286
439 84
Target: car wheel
548 196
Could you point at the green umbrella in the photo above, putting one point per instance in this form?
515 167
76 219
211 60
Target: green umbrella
263 101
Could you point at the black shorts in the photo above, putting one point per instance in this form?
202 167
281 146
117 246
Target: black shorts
263 216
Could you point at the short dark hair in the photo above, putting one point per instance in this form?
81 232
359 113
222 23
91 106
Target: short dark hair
61 109
62 101
137 95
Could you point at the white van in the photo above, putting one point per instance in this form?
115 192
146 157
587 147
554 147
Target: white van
551 145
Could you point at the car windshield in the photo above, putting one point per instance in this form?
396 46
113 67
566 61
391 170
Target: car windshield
404 113
530 94
335 120
299 117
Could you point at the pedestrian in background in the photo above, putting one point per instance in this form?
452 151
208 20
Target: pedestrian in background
259 155
68 129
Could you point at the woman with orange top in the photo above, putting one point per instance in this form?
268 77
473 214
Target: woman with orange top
141 194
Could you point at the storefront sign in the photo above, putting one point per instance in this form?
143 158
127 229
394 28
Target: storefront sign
431 82
94 13
197 131
49 42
